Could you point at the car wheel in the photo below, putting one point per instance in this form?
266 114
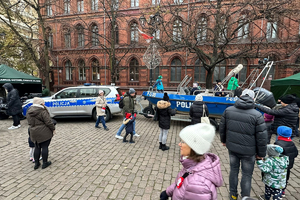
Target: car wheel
108 115
3 116
214 123
94 115
148 110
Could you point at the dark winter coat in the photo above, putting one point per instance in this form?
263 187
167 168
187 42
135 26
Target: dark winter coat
193 90
14 105
285 116
196 111
128 104
40 124
129 124
164 113
243 128
289 149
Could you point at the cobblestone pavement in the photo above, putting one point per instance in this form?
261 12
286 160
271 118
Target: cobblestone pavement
89 163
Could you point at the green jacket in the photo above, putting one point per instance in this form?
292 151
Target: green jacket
128 104
45 93
274 169
232 84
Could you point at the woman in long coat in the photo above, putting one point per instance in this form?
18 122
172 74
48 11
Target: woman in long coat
196 110
100 108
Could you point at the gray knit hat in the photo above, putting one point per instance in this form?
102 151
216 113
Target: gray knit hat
131 91
274 150
199 97
37 100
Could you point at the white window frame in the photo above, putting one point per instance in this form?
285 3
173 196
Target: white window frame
155 2
67 37
243 32
178 1
202 29
67 6
69 72
134 3
94 5
49 9
134 35
80 5
177 30
95 39
272 30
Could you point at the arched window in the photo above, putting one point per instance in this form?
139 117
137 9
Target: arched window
272 30
134 70
50 37
68 67
134 3
200 72
177 30
48 8
95 38
67 6
80 35
115 32
94 5
176 70
81 70
80 6
95 69
201 29
220 71
67 37
134 35
243 32
243 72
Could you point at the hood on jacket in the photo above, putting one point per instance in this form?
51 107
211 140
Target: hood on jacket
163 104
33 111
232 79
245 103
209 167
8 86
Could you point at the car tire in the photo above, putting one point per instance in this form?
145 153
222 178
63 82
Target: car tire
148 110
106 118
3 116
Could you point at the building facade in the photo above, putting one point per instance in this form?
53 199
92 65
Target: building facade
79 52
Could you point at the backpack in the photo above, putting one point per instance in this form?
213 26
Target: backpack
121 103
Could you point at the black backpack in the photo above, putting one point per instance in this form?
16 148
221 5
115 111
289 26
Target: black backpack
121 103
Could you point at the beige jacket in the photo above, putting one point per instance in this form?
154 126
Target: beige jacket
100 103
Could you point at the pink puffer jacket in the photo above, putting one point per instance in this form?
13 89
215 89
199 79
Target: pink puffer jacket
203 181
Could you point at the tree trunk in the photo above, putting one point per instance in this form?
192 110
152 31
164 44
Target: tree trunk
209 76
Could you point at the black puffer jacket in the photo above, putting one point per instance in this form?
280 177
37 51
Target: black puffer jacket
243 128
196 111
285 116
289 149
164 113
13 100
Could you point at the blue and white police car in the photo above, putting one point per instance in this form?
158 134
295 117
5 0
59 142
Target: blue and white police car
80 102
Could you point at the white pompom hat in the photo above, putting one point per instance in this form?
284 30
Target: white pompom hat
198 137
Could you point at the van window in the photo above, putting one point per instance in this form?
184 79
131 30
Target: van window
88 92
68 93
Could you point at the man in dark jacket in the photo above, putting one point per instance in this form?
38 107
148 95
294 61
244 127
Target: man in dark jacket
14 105
244 133
285 116
196 110
128 108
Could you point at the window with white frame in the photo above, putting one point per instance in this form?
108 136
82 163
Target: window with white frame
220 71
176 70
49 9
67 6
134 3
96 68
177 30
80 34
67 36
95 39
69 73
155 2
272 30
115 33
81 70
134 35
199 72
243 32
178 1
94 5
50 40
80 6
134 70
202 29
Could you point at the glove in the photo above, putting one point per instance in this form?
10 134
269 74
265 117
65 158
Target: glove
164 196
134 115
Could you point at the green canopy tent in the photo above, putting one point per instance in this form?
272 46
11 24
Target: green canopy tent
288 85
23 82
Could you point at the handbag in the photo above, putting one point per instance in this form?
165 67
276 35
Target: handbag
204 118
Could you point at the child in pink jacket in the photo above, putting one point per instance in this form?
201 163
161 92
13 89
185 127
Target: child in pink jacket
201 173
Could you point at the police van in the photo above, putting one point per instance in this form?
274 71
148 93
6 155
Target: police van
80 102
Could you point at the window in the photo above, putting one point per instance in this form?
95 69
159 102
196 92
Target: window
95 40
80 34
94 5
134 70
115 31
200 72
80 6
220 71
67 6
50 40
68 40
117 68
177 30
95 67
88 92
49 9
176 71
156 34
178 1
155 73
81 70
68 93
202 29
155 2
272 30
115 4
243 72
243 31
223 28
134 36
134 3
68 67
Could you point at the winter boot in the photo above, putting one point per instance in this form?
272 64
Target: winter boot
164 147
124 139
37 165
160 145
45 165
131 140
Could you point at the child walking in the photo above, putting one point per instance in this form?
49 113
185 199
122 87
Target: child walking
100 108
289 149
274 170
128 121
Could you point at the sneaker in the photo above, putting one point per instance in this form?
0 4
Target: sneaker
37 165
19 125
119 137
30 159
283 193
97 127
136 135
45 165
232 197
106 129
13 127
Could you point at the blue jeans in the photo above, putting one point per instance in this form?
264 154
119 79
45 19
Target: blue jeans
100 118
247 171
123 126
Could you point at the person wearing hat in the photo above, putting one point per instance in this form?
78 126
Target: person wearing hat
128 122
244 133
159 84
128 101
100 108
274 171
164 113
196 110
14 105
285 116
194 89
289 149
45 92
219 88
41 129
201 172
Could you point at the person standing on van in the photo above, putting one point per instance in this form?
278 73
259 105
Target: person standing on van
14 105
196 110
100 108
233 84
159 84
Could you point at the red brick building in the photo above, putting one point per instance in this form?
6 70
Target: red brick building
78 58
